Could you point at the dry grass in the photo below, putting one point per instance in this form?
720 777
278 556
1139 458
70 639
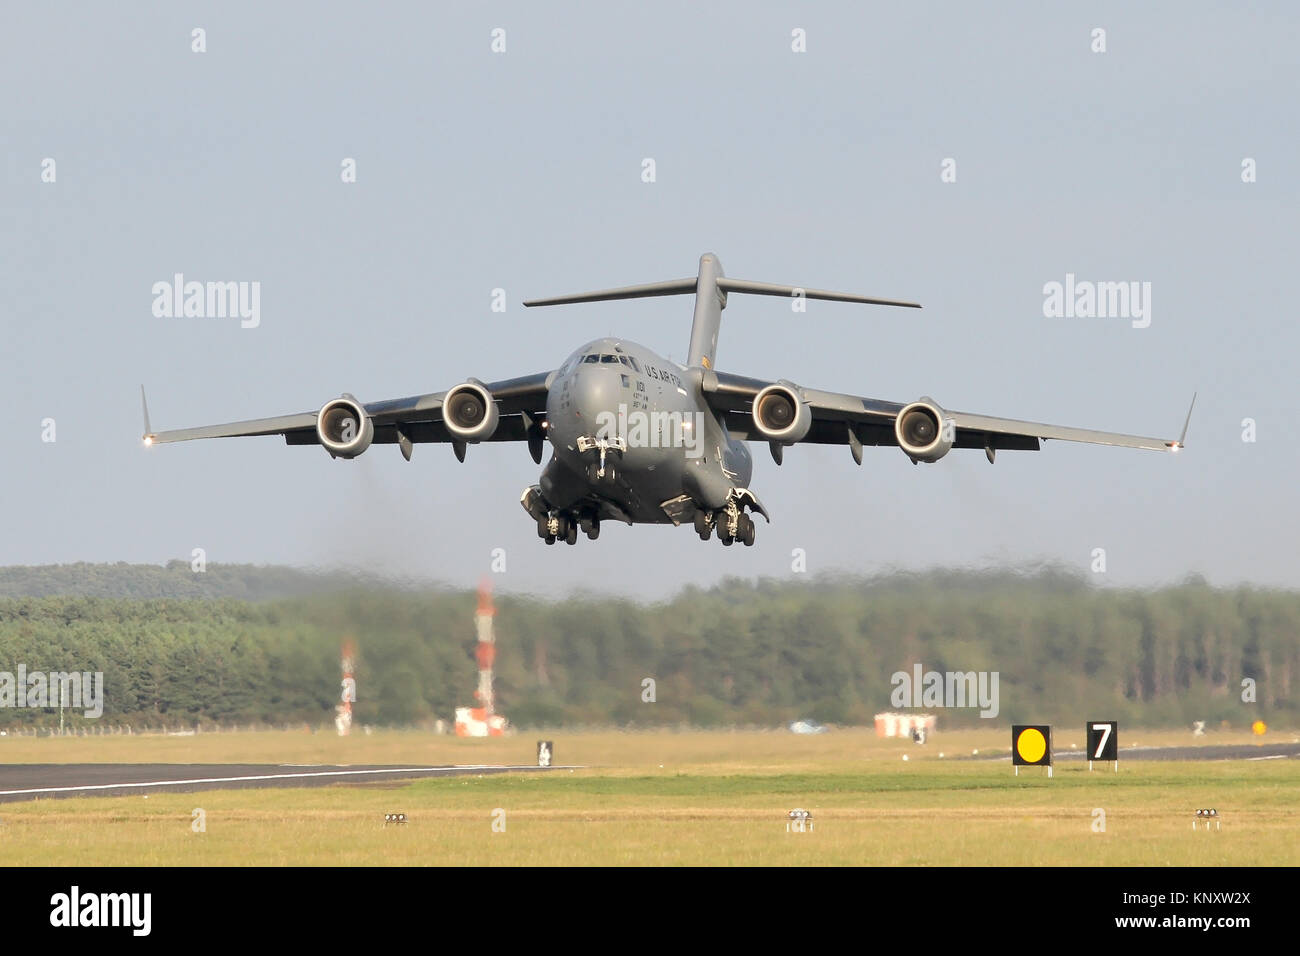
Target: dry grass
718 798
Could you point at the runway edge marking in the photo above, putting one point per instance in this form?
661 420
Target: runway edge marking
270 776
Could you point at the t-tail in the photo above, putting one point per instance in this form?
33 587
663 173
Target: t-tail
711 287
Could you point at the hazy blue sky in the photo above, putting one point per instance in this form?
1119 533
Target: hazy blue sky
522 170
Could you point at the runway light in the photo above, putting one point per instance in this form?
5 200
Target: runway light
397 818
1207 816
800 821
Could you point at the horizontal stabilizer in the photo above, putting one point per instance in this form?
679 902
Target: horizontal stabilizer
687 286
711 288
671 287
767 288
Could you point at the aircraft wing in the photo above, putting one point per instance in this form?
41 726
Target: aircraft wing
839 419
521 405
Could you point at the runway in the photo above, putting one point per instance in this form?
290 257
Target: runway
1209 752
46 780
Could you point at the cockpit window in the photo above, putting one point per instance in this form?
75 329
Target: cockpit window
623 359
609 359
590 359
634 365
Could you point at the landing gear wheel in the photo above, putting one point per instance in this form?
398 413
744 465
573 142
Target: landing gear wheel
543 527
550 539
571 534
747 530
562 524
593 530
731 524
702 523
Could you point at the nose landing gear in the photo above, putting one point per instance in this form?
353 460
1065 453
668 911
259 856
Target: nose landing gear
604 447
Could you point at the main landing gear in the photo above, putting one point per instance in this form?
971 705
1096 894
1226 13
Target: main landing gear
554 525
564 526
731 522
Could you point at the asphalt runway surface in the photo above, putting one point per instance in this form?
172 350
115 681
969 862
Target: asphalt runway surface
35 781
1208 752
44 781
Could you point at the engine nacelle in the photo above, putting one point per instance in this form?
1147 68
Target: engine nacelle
344 428
923 431
780 414
469 412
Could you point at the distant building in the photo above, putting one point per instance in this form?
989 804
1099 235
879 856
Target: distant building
902 725
477 722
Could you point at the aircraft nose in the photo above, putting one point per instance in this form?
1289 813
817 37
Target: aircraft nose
594 391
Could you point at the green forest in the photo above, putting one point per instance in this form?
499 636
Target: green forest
240 644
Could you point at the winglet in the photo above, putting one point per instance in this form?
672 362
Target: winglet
1182 439
148 436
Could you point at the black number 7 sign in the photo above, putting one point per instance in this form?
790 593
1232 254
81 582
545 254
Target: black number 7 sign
1103 741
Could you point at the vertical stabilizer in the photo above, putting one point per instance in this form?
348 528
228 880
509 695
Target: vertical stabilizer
709 303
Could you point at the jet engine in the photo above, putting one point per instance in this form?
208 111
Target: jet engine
781 415
344 428
923 432
469 412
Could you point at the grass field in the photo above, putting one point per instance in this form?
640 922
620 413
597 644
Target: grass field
667 798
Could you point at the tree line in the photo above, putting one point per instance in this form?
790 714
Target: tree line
742 652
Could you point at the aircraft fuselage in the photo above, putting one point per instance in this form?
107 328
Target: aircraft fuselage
659 439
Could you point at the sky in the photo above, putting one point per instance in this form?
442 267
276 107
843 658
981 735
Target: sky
523 170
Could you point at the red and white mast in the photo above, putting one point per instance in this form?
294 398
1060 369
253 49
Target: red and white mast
486 652
343 720
483 720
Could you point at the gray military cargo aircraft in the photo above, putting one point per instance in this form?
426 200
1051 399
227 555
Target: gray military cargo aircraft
640 439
